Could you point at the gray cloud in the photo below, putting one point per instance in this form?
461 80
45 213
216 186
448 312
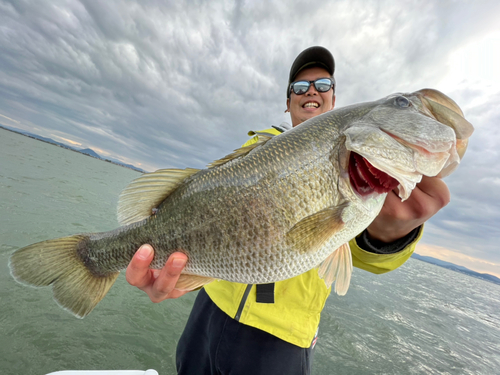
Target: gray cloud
177 84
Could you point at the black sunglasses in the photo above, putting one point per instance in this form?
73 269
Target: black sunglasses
321 85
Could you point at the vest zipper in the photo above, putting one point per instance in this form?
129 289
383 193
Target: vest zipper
242 302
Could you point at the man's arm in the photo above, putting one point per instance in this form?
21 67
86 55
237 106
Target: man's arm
391 239
397 219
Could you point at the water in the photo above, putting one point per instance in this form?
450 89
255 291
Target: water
419 319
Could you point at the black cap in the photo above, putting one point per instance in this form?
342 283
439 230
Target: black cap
312 56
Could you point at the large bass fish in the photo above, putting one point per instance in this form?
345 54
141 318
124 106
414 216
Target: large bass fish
267 212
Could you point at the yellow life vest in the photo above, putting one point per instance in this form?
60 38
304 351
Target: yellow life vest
294 316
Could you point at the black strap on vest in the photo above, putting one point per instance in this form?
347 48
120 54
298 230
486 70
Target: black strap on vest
265 293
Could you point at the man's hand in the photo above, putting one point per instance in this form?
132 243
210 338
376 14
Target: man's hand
159 285
397 219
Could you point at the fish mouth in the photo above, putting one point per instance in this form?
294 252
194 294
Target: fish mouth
366 179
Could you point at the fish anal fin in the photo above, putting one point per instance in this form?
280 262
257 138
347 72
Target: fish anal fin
337 267
192 282
242 151
145 193
313 231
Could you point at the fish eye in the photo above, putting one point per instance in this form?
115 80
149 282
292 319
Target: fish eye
402 102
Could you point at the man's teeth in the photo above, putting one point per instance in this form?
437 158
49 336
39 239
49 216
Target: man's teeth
311 105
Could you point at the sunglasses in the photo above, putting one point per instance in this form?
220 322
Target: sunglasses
321 85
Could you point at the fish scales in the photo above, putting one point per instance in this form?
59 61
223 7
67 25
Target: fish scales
252 213
257 212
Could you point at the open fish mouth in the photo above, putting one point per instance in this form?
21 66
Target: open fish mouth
366 179
402 139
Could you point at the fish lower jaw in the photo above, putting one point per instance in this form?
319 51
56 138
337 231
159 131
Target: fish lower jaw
365 179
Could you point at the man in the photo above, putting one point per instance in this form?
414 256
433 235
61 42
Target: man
270 329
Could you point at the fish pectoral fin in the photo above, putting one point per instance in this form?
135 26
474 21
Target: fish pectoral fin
313 231
192 282
242 151
337 267
145 193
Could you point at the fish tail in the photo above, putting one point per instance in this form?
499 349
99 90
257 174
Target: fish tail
58 263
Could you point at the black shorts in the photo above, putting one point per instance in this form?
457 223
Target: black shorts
214 343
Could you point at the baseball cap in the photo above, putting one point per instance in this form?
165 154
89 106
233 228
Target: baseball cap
312 56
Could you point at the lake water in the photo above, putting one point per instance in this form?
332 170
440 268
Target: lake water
419 319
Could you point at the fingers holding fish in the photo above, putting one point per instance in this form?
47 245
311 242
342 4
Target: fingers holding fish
398 218
159 285
435 195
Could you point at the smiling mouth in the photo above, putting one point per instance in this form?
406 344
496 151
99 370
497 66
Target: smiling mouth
311 105
366 179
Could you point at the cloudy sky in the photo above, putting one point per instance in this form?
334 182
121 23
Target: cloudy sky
179 83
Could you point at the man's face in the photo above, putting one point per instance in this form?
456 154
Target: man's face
312 103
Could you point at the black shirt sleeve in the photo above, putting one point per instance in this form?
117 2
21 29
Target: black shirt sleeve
379 247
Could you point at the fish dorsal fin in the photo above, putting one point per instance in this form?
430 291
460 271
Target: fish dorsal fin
337 267
145 193
242 151
312 232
